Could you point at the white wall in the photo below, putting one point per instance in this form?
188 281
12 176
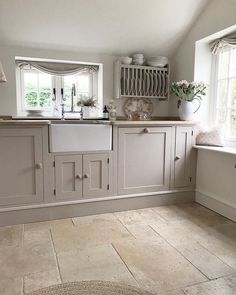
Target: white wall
8 105
217 16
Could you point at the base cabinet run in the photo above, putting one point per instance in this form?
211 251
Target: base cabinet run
144 159
81 176
21 168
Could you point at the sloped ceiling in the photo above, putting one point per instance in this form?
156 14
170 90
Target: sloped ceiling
101 26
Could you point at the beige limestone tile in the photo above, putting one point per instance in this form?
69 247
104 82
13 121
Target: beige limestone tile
47 225
191 211
35 281
96 263
141 216
88 235
221 286
229 259
94 218
158 268
144 232
207 263
13 286
11 235
17 261
179 292
37 236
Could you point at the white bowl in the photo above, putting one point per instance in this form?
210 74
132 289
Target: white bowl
34 112
138 61
138 55
126 60
157 61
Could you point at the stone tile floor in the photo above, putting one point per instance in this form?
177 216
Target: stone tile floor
170 250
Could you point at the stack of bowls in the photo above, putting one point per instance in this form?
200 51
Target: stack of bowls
157 61
138 59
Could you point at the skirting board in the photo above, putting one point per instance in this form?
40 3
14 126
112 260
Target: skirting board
215 205
91 208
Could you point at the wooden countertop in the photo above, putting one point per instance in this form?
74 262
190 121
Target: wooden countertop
33 122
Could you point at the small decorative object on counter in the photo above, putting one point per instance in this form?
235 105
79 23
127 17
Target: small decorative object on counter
187 92
138 108
86 103
112 110
105 113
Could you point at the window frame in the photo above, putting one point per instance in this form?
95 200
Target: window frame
96 89
230 141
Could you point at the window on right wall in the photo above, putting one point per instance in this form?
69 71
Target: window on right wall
225 91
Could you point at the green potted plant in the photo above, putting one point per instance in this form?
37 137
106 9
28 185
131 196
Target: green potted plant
187 92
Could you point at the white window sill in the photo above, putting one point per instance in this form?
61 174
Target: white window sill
226 150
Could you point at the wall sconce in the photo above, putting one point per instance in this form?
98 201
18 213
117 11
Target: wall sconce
2 74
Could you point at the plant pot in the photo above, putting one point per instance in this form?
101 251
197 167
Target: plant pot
187 109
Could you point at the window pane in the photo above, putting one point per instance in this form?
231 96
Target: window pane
232 130
68 82
221 116
224 64
31 99
233 62
233 93
30 81
222 93
45 99
83 84
45 90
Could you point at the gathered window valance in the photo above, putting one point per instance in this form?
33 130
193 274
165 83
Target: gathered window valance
58 68
218 44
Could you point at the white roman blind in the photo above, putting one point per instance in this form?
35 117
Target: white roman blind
58 68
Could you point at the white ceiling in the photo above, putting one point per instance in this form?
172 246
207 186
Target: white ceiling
102 26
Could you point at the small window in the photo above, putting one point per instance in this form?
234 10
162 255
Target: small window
225 89
41 90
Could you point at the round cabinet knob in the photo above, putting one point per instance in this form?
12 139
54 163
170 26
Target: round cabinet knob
78 176
86 175
177 158
146 130
38 165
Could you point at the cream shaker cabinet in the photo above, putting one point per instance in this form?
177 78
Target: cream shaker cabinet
68 177
21 168
144 159
81 176
183 156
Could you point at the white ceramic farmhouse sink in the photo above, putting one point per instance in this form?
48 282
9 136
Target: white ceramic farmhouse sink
80 137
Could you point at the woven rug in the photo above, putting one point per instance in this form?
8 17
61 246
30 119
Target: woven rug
90 288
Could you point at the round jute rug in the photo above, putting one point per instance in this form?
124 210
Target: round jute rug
90 288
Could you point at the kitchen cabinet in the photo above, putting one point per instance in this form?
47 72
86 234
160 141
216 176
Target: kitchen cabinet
81 176
68 176
144 159
95 175
21 173
183 156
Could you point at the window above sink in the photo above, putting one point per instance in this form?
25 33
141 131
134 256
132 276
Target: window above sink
42 89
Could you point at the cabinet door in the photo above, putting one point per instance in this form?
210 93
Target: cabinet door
182 161
21 171
68 177
144 159
95 175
